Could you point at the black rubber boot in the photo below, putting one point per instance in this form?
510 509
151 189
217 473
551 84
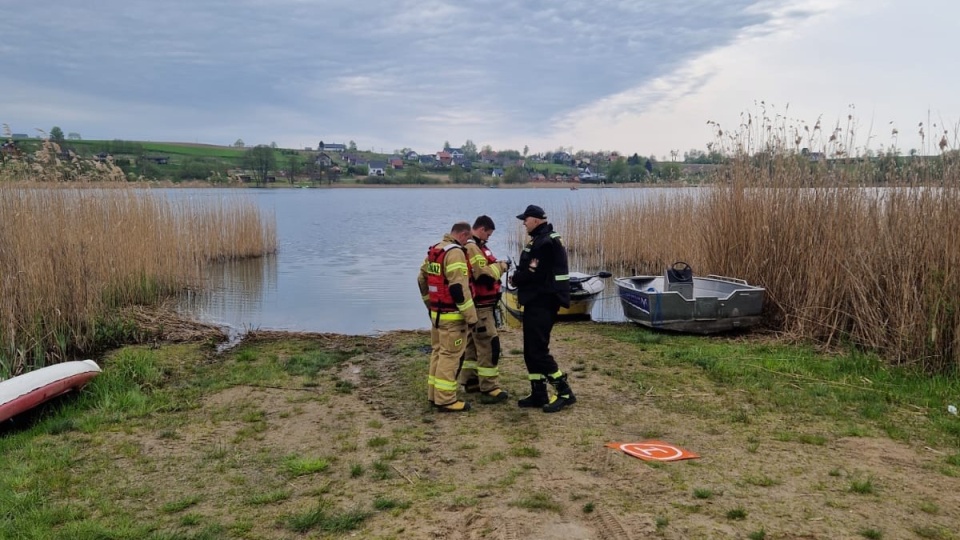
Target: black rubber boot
538 395
564 397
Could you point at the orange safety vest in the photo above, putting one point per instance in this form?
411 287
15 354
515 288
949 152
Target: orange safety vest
485 294
439 292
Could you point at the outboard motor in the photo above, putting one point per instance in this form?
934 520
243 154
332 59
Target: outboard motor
679 277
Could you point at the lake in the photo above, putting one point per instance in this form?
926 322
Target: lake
348 258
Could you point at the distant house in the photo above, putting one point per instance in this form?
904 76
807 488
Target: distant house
444 157
376 168
562 158
332 147
352 159
496 173
411 156
396 162
462 162
323 160
456 152
428 160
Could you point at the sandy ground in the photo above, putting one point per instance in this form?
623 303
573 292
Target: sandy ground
500 472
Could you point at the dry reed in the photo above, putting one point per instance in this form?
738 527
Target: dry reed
862 251
71 256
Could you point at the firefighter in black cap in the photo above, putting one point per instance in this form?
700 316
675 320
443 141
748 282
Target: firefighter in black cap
542 279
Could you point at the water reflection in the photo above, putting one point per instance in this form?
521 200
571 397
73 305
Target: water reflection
348 258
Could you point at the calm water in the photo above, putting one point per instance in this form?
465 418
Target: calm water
348 258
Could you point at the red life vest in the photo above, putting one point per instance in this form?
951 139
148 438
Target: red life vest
486 294
440 299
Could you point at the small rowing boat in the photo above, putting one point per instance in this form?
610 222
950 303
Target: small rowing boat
24 392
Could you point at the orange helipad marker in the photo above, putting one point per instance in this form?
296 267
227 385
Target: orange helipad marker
653 451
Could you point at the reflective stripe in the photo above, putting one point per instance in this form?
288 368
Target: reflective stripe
536 377
496 270
488 371
444 385
431 380
466 305
556 375
564 277
426 297
446 316
469 364
461 266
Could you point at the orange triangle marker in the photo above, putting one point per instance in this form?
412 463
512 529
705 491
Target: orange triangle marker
653 451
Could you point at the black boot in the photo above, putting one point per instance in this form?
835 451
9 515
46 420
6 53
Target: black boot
564 397
538 395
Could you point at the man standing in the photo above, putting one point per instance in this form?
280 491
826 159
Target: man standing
480 371
543 286
444 282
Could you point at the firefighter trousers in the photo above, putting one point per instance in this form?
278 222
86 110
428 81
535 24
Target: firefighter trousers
482 355
448 341
538 319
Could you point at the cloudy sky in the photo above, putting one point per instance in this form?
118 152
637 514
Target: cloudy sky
640 76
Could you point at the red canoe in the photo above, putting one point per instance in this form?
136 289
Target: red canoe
24 392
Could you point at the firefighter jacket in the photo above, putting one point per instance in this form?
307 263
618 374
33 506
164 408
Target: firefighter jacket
542 275
485 272
444 282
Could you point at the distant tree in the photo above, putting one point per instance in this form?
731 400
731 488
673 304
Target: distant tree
239 143
56 134
273 145
469 149
74 136
634 159
261 160
352 146
526 150
293 167
618 172
446 146
515 175
648 165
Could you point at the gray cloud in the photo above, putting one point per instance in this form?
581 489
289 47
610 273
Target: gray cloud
394 73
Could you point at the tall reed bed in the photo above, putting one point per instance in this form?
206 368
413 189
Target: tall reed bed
70 256
842 259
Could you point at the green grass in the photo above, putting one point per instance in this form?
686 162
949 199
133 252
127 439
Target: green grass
846 387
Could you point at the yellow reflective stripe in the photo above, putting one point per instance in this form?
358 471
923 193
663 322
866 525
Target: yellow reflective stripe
478 260
535 377
496 270
556 375
431 380
462 266
469 364
426 297
488 371
446 316
445 385
563 277
466 305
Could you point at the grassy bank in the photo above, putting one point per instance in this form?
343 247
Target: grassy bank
71 257
327 436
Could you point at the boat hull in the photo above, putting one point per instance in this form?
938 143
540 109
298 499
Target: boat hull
24 392
584 291
709 305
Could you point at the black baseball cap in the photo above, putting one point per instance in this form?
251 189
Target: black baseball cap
532 211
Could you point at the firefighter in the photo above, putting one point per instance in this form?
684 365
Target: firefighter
479 371
542 279
444 282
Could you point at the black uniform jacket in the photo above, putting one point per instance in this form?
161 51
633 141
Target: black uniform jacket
548 280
